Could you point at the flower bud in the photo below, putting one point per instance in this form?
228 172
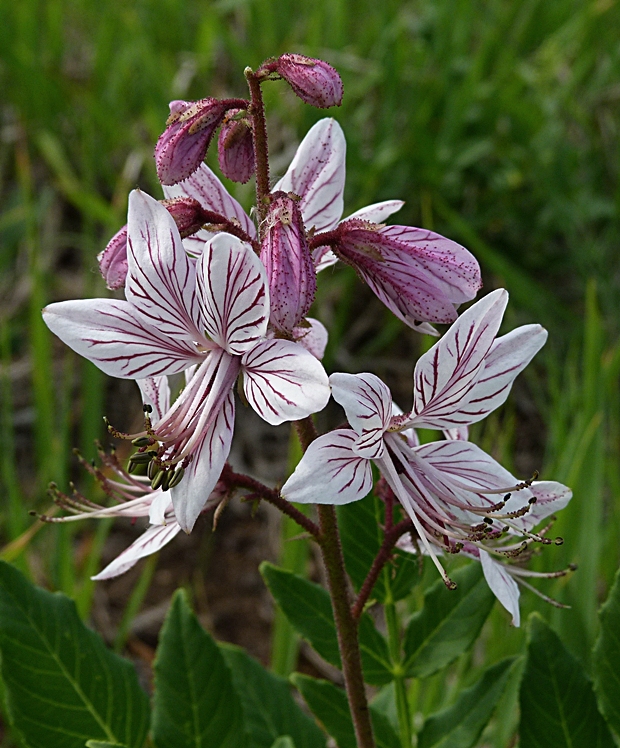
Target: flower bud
235 148
187 214
113 260
419 275
182 146
286 257
314 81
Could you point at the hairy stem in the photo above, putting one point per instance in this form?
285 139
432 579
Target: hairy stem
238 480
261 151
346 625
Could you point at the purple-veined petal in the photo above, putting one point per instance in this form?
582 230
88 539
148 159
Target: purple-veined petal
368 404
191 495
508 356
460 433
472 467
161 280
323 258
378 212
454 270
234 297
151 540
313 337
445 375
204 186
160 510
330 472
283 381
112 335
317 175
550 498
156 393
502 585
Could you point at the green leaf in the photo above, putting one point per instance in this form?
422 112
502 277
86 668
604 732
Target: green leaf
558 706
607 658
100 744
195 703
63 687
449 622
308 607
329 705
283 742
269 709
460 725
361 537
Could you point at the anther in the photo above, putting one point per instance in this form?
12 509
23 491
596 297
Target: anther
450 584
488 520
147 408
165 484
141 458
152 469
158 480
533 500
559 541
141 441
572 567
177 477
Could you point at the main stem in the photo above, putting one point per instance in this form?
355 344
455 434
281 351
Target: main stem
400 685
261 150
346 626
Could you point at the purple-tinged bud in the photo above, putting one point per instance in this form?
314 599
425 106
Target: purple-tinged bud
235 147
286 257
314 81
188 216
419 275
182 146
113 260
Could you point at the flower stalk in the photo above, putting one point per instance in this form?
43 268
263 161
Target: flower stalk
261 151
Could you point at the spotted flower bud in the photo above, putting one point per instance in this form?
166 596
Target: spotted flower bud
182 146
419 275
235 148
314 81
290 269
187 214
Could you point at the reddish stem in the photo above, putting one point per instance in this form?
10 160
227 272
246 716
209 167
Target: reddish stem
261 150
238 480
225 224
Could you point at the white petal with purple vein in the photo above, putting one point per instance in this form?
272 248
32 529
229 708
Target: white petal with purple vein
234 297
445 375
378 212
313 338
191 495
330 472
283 381
317 175
368 404
151 540
502 585
112 335
161 279
205 187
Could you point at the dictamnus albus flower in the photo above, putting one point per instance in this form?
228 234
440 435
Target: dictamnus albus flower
209 317
455 494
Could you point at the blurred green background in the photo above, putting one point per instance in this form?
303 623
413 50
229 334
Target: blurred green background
497 122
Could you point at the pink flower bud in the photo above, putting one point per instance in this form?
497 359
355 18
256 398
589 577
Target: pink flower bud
235 148
419 275
314 81
290 270
187 214
113 260
182 146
